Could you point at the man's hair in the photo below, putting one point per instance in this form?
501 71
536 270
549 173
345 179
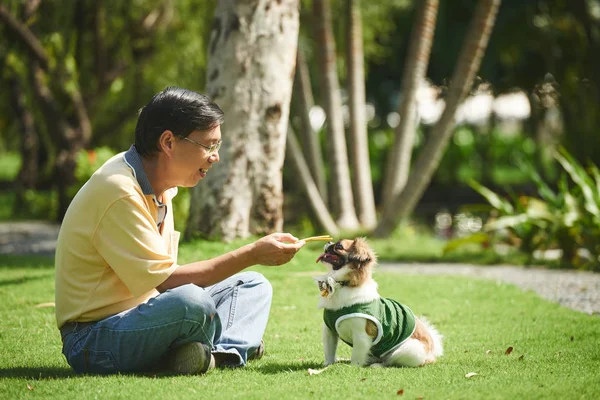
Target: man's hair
181 111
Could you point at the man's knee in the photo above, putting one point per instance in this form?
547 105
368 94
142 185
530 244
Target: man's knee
257 280
193 301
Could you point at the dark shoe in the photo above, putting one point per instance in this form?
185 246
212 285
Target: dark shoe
192 358
257 355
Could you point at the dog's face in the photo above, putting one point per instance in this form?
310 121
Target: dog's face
349 260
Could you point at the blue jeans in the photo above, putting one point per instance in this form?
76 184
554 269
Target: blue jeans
230 317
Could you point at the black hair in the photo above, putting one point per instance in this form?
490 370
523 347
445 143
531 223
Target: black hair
181 111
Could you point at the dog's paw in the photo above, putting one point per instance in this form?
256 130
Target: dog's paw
377 365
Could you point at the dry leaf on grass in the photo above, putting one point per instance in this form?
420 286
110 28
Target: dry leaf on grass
41 305
29 387
509 350
400 392
470 374
522 357
488 351
316 371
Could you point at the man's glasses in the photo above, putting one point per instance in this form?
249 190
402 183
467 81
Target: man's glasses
212 149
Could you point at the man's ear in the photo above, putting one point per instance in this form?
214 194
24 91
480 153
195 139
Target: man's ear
166 141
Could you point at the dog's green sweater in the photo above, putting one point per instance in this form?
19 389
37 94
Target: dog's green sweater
395 322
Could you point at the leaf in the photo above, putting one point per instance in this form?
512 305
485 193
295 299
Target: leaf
316 371
572 338
522 357
30 387
476 238
400 392
496 201
509 350
42 305
488 351
470 374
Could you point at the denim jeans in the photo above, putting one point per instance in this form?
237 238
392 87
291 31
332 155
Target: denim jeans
230 317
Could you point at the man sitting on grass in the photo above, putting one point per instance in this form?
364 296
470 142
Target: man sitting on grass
123 304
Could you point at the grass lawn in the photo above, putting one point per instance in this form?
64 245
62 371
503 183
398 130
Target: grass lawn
556 350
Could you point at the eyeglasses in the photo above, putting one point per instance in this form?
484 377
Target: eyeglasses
212 149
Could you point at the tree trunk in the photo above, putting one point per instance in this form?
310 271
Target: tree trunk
317 204
28 174
341 197
363 187
252 55
467 65
312 148
415 71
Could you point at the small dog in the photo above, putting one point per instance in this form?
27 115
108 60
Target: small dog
382 332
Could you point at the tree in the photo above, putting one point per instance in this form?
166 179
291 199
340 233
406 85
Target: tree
462 80
415 71
341 197
252 55
359 154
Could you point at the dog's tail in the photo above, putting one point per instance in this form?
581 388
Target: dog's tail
438 348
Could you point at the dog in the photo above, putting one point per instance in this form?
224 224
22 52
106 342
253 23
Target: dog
381 331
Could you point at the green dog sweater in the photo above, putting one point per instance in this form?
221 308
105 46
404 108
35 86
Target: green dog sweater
395 322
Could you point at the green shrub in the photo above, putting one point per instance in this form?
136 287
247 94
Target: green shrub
566 218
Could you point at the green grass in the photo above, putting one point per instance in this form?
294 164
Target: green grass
556 352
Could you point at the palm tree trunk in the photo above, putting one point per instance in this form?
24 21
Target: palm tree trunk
342 201
415 71
467 66
317 204
311 146
252 56
359 155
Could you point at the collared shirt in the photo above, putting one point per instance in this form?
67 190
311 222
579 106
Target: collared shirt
134 161
111 254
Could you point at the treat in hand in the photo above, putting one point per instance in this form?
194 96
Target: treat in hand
323 238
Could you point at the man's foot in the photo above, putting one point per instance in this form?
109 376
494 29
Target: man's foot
192 358
260 351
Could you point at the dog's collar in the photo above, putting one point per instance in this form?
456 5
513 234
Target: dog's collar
327 285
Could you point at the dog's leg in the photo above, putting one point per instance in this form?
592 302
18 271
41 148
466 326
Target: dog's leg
330 341
361 341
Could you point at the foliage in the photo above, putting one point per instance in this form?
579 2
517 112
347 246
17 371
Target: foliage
566 218
555 349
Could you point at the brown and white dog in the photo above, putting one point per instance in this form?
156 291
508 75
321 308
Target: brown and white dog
382 332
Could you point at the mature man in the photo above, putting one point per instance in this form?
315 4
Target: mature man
123 303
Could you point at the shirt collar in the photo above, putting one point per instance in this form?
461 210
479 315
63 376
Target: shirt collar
134 161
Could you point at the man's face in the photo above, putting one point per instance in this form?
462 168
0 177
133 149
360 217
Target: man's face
192 160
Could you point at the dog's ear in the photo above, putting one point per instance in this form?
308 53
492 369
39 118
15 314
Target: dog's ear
361 253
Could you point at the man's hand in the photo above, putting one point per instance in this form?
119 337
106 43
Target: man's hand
276 248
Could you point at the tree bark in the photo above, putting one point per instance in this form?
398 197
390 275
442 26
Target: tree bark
252 56
415 71
317 204
359 144
312 148
467 65
341 197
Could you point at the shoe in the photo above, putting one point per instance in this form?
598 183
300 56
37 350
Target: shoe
260 351
192 358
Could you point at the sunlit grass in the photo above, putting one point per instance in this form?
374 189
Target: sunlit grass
556 352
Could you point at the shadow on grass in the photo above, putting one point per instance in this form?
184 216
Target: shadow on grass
24 279
281 367
38 373
28 261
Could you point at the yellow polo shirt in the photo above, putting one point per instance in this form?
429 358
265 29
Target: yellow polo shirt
111 254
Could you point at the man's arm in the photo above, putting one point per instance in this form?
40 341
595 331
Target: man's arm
274 249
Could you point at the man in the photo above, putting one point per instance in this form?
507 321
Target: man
123 304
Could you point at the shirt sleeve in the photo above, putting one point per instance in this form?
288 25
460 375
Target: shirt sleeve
128 240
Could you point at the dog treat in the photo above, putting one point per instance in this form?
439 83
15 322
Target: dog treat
323 238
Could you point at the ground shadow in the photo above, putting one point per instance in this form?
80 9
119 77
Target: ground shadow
37 373
24 279
279 367
28 261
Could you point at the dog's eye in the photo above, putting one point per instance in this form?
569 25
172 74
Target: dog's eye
338 246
